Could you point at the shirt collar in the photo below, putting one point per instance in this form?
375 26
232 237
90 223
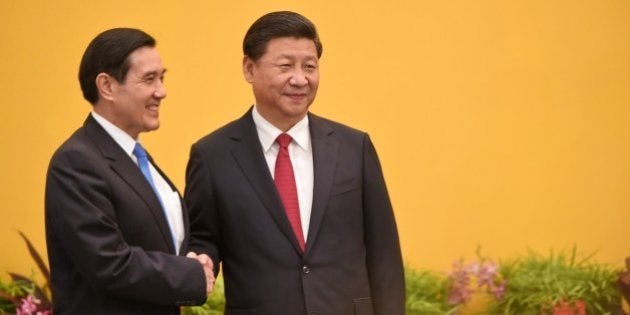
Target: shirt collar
267 133
124 140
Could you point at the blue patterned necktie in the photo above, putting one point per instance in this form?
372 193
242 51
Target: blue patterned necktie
143 162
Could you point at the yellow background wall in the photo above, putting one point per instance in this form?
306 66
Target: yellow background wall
504 124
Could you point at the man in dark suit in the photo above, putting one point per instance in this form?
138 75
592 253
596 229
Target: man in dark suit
115 226
293 206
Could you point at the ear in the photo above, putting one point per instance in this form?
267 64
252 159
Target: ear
104 85
248 69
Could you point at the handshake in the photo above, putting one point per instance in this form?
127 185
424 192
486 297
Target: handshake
208 269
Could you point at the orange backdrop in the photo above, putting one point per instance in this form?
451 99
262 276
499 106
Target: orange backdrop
500 124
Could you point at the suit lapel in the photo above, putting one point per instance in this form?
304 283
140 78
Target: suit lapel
248 153
324 164
124 166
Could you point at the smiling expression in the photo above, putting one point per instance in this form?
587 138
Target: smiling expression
284 80
136 102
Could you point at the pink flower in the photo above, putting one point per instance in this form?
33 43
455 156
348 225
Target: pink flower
498 290
460 290
28 306
459 294
487 273
473 268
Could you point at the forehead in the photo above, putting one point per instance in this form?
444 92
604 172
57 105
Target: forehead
145 59
291 47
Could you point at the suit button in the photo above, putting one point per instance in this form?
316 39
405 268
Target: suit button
306 269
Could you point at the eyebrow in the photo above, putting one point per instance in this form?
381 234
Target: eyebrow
154 72
291 57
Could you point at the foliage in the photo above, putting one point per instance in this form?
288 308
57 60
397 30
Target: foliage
10 293
427 293
623 281
564 281
22 295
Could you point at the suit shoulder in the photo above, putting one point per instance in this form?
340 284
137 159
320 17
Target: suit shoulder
222 134
77 147
337 127
78 141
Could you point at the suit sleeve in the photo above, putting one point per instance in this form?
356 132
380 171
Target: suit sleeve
204 229
81 219
384 259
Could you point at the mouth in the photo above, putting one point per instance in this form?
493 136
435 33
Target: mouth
296 96
154 108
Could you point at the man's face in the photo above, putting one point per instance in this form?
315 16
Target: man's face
284 80
136 102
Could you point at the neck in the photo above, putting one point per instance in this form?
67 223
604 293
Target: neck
103 111
282 123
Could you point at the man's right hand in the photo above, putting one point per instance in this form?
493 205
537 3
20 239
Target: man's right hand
208 269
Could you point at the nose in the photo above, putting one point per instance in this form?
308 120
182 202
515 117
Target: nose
298 78
160 91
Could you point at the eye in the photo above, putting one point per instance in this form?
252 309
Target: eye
150 78
310 67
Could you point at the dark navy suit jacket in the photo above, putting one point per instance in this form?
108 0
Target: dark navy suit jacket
109 245
352 262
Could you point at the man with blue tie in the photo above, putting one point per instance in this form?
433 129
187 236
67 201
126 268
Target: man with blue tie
116 228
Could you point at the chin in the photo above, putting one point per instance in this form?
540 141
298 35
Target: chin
297 114
152 126
298 109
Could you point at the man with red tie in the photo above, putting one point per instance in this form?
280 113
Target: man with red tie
293 206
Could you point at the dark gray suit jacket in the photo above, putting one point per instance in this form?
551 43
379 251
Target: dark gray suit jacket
109 245
352 262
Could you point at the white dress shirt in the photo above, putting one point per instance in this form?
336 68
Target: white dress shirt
169 198
301 154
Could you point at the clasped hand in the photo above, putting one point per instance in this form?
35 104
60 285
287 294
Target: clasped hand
208 269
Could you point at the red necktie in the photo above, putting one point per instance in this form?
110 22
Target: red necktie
285 183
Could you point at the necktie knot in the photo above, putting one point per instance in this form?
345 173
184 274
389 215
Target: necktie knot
139 151
284 140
